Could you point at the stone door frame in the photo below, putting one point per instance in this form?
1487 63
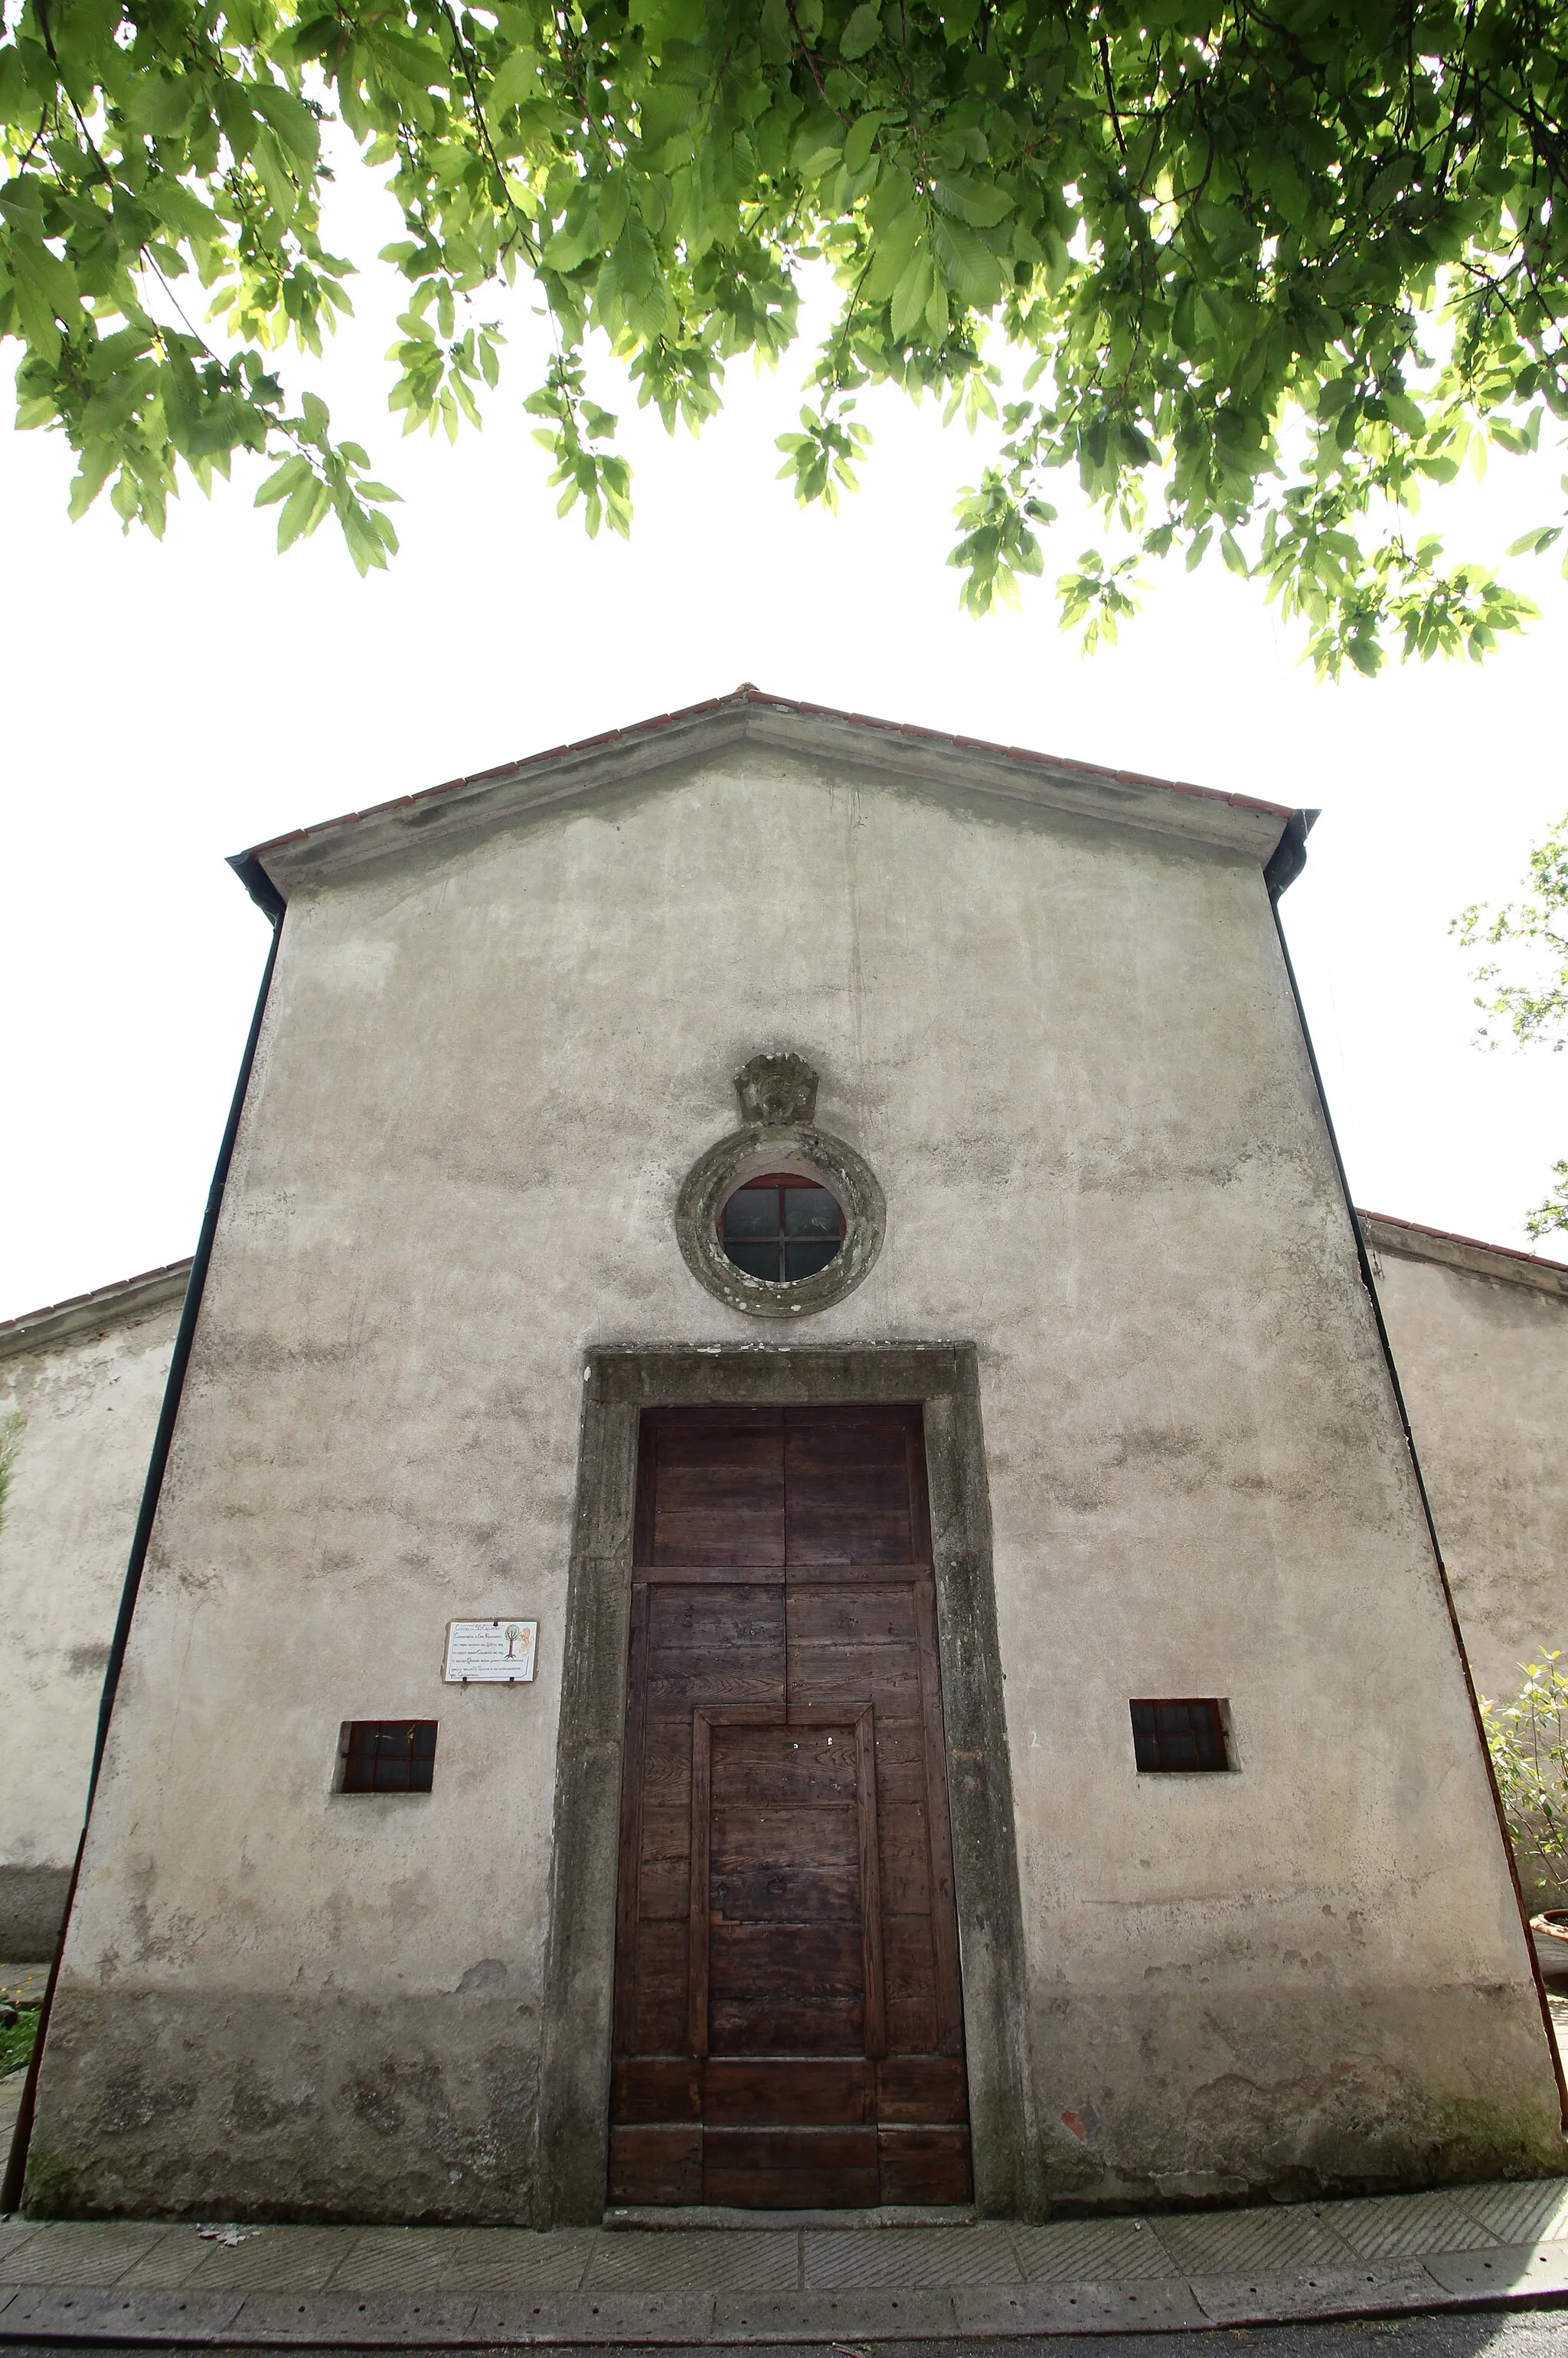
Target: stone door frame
579 1972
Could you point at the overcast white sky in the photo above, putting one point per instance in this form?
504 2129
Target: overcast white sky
165 705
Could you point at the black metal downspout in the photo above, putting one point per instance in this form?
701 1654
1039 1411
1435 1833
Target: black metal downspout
270 901
1286 865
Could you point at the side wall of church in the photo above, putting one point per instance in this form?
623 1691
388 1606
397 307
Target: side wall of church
84 1387
1069 1052
1480 1339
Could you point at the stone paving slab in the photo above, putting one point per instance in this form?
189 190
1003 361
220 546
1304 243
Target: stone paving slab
1261 2299
1278 2242
285 2286
84 2254
400 2260
1091 2250
881 2316
707 2260
514 2259
680 2318
915 2256
1149 2306
49 2312
298 2260
1405 2226
281 2318
1532 2213
1525 2269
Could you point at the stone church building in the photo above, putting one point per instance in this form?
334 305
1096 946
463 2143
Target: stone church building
789 1573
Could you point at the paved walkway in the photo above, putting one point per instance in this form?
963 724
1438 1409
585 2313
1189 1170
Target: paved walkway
448 2286
119 2281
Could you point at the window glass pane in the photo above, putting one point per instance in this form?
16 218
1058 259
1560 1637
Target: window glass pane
753 1212
756 1259
806 1260
811 1212
1210 1738
1184 1733
390 1757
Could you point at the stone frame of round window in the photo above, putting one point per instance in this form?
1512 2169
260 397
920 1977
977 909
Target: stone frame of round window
780 1150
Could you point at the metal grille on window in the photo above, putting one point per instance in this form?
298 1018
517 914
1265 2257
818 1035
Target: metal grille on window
1184 1735
782 1227
390 1756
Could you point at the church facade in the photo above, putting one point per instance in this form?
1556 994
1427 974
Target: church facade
789 1574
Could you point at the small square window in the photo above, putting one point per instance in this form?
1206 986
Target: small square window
1184 1734
389 1756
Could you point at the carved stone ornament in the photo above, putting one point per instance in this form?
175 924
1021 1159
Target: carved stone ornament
775 1090
778 1098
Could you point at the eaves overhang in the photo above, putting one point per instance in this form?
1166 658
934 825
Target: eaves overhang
1502 1264
120 1303
893 750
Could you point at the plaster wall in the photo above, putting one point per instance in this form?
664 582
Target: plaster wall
1068 1050
1480 1340
86 1384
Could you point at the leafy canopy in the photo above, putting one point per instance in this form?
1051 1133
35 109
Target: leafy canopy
1256 273
1534 1008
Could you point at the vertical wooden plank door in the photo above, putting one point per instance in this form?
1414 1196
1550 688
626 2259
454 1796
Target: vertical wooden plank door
788 2025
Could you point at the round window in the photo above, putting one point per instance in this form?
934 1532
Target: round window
782 1227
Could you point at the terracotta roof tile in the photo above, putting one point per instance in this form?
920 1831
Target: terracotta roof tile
747 693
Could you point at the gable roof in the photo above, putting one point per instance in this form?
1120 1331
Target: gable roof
1411 1240
116 1304
750 715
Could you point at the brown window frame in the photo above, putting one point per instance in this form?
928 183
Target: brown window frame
1156 1748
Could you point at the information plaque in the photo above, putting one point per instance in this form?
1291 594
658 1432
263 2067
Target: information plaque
491 1653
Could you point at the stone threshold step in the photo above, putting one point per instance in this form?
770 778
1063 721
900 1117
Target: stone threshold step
715 2214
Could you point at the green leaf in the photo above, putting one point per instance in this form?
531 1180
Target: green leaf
970 268
17 101
891 254
158 104
291 119
860 140
777 32
516 78
302 512
913 293
862 32
980 203
286 479
667 21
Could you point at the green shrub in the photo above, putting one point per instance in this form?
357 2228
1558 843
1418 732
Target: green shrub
17 2038
1529 1744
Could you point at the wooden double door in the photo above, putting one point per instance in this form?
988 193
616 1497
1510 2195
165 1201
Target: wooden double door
788 2023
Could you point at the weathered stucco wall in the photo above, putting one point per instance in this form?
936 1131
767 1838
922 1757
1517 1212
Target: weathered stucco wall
1480 1339
86 1380
1069 1052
